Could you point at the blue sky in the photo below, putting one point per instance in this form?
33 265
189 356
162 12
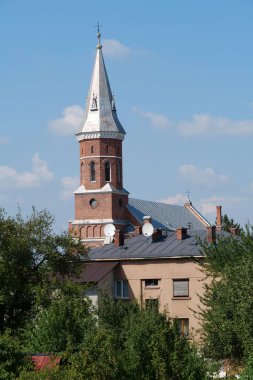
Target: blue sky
181 71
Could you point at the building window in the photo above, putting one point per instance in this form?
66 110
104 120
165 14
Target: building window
120 202
152 304
181 288
121 289
91 149
92 171
183 326
151 283
82 172
93 202
119 171
107 149
107 171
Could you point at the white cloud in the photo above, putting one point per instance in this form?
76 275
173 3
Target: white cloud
204 124
115 49
40 168
69 185
198 176
200 124
11 178
157 120
69 123
207 206
3 140
177 199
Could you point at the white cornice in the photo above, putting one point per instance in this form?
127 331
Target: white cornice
99 135
97 221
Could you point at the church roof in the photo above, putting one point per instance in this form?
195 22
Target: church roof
100 117
166 215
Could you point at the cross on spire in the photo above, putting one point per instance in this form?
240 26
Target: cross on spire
188 192
98 34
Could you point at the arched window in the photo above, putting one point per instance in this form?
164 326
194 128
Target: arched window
82 172
92 172
119 171
107 171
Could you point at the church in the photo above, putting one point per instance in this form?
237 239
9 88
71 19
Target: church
139 250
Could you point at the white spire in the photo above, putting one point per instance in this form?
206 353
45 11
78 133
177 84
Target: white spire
100 117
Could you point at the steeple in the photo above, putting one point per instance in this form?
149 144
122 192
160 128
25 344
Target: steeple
100 117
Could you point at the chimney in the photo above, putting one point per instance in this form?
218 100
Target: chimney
211 234
119 238
147 219
157 234
181 233
218 218
137 230
234 230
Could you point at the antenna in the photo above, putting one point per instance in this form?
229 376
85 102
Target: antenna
147 229
109 230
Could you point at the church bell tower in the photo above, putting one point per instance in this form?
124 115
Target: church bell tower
100 199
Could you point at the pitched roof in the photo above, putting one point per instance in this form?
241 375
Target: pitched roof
139 247
100 117
165 215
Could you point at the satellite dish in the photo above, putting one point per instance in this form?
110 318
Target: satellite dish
109 230
147 229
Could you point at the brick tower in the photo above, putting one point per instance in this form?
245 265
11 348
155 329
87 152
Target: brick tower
101 198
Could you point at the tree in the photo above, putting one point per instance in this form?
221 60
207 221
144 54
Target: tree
60 326
12 360
228 297
228 223
32 258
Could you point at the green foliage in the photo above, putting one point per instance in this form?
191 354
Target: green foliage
30 256
248 372
228 223
62 324
11 357
228 298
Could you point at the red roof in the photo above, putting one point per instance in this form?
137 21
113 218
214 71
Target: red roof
45 361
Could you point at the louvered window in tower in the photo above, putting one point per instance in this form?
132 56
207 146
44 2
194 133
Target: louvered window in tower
92 172
119 172
107 171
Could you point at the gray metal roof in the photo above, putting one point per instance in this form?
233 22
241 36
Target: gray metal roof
164 215
100 118
139 247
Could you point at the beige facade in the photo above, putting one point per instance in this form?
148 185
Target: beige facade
158 280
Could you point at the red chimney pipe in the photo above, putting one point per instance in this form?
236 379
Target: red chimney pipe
218 218
181 233
211 234
119 238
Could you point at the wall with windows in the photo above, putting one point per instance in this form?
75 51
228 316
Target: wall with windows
170 285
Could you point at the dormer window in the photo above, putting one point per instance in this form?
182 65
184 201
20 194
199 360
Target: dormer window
92 172
94 104
107 171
